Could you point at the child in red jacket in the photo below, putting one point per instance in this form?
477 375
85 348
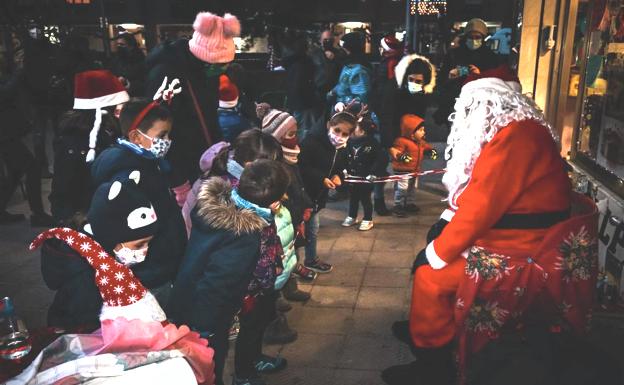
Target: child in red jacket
407 152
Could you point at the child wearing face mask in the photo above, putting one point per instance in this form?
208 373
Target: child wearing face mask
407 152
322 159
145 127
123 221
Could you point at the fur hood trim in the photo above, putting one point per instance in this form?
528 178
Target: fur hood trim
216 209
401 67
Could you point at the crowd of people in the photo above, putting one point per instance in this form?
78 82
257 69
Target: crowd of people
217 213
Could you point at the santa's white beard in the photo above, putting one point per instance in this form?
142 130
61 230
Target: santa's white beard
484 107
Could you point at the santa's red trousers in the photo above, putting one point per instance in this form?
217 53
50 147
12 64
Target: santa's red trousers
431 319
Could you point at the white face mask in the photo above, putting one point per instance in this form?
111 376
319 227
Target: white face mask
129 256
160 146
414 87
474 44
337 140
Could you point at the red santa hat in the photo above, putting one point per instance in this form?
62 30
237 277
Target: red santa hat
228 93
389 43
501 76
94 90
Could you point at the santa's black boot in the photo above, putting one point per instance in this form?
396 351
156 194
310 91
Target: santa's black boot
380 207
278 332
434 366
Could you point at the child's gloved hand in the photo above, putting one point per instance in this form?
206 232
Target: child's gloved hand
421 259
405 158
433 154
371 178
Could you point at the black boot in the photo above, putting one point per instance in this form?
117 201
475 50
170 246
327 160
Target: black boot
278 332
292 293
281 305
380 207
400 330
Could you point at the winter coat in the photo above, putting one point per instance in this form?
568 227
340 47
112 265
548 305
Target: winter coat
326 72
298 199
232 123
319 159
354 83
219 260
71 185
77 301
383 101
406 145
286 233
365 157
271 255
167 247
300 87
14 124
174 60
130 63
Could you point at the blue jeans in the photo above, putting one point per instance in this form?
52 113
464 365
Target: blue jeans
311 233
404 191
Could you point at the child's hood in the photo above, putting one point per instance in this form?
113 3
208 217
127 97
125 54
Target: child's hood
216 209
409 123
116 159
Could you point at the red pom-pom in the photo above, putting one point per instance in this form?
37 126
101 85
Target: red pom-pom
231 25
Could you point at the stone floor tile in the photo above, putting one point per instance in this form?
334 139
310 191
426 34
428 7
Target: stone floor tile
352 242
313 351
393 243
293 375
381 298
371 353
375 322
399 259
342 275
333 296
349 258
322 320
357 377
386 277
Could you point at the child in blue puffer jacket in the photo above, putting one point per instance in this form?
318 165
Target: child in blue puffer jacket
231 121
355 79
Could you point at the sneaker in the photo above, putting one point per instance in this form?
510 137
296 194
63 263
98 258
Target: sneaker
305 274
248 381
319 266
8 218
268 364
412 208
399 211
349 221
366 225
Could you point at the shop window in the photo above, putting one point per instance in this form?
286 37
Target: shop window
600 138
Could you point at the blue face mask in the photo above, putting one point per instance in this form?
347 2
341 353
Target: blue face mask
474 44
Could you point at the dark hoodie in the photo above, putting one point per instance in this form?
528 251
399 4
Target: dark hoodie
174 60
77 302
319 159
167 247
300 86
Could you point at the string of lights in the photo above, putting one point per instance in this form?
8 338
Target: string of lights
427 7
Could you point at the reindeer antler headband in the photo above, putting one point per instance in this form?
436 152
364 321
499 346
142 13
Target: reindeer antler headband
165 93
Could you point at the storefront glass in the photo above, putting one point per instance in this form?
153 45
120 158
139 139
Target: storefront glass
600 139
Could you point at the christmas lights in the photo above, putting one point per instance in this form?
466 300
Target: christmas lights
430 7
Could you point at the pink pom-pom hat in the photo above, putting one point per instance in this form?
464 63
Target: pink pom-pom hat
213 39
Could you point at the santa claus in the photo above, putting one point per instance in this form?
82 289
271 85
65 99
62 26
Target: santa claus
507 185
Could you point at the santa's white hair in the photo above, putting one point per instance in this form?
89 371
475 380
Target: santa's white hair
483 108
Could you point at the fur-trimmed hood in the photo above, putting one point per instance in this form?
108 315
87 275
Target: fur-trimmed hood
401 67
215 208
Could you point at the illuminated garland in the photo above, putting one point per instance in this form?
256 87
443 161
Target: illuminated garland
429 7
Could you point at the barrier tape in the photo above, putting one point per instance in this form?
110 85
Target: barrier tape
392 178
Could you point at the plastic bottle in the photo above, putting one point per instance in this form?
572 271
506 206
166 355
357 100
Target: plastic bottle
14 342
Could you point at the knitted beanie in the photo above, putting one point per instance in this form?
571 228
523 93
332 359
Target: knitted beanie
275 122
228 93
120 212
213 39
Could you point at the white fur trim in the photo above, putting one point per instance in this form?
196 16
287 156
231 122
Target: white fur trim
434 260
145 309
401 68
447 215
230 104
492 83
103 101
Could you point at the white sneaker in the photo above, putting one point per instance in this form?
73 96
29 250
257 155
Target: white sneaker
366 225
348 222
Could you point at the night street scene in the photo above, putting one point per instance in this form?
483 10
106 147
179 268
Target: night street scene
285 192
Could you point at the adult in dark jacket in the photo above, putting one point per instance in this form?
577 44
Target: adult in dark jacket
327 59
197 62
218 265
129 63
471 56
301 97
16 157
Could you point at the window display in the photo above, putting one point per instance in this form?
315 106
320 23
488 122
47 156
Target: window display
601 135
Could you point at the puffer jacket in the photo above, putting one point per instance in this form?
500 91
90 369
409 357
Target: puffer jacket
286 233
406 145
232 123
354 83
